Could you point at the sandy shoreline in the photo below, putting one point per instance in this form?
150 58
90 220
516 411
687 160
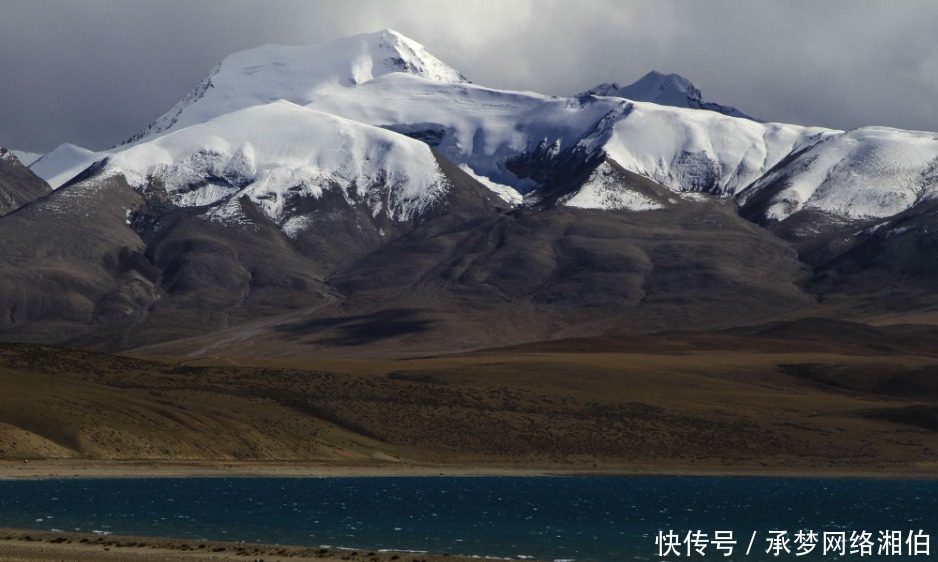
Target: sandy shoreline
154 469
72 468
22 545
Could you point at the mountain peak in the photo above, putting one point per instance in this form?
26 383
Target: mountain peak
666 86
387 51
663 89
299 74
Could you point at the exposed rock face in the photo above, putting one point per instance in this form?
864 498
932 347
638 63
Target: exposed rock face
18 185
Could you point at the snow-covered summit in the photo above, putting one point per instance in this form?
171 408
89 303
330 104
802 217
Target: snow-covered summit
277 153
383 87
663 89
300 74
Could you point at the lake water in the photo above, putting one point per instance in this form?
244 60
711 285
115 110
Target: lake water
585 518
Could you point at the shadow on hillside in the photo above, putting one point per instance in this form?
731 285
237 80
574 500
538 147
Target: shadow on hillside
361 329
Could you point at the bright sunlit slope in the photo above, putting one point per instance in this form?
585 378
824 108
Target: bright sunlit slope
277 152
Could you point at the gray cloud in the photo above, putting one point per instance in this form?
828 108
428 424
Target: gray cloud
94 72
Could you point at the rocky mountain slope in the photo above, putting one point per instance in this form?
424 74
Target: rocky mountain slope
18 185
363 196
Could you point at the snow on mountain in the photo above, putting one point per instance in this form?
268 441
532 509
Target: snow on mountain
483 129
699 150
26 158
603 190
664 89
512 142
506 193
489 132
301 74
64 163
388 80
502 138
278 152
873 172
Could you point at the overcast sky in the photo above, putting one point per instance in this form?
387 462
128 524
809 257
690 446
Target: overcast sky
93 72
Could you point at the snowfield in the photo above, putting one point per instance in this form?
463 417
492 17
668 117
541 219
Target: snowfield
277 152
873 172
64 163
690 150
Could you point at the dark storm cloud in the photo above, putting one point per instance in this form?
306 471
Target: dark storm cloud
93 72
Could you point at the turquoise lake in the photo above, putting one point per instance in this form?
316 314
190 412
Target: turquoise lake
583 518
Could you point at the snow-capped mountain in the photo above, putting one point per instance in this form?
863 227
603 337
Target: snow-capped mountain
663 89
301 75
868 173
517 144
364 189
697 151
279 153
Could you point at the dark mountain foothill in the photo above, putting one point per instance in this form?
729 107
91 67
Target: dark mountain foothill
18 185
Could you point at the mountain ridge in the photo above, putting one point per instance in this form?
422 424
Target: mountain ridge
664 89
519 145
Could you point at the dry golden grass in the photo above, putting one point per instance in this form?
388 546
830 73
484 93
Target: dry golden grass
675 404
